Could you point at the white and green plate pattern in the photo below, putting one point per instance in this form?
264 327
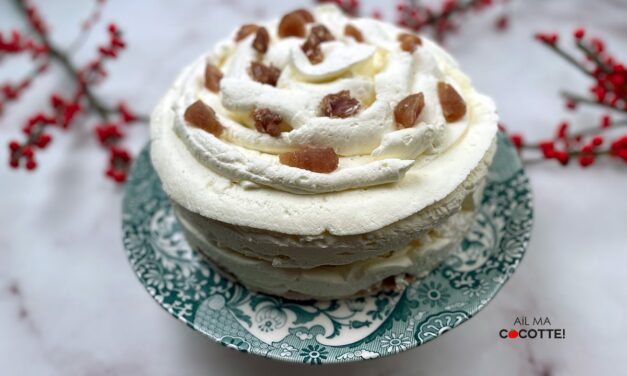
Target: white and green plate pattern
319 332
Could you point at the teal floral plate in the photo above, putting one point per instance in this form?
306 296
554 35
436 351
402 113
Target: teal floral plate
336 331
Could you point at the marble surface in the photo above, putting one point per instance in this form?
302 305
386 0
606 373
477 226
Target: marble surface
69 304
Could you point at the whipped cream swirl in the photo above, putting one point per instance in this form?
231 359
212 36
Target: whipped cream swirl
377 72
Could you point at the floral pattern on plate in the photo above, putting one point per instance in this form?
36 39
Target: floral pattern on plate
318 332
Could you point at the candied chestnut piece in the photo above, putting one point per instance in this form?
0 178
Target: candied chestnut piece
407 111
202 116
339 105
245 30
307 16
353 32
311 47
453 106
322 33
213 75
268 75
293 24
321 160
267 121
262 39
312 51
409 42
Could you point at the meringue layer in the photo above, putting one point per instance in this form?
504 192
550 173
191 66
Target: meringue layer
385 174
377 72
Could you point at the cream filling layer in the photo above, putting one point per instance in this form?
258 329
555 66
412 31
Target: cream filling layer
330 282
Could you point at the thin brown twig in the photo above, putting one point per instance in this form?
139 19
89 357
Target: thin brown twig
566 56
460 8
590 54
582 133
87 26
574 153
62 58
587 100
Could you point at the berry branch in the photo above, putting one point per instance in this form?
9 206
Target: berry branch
608 91
65 111
416 16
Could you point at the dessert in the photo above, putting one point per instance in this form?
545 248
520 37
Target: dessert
322 156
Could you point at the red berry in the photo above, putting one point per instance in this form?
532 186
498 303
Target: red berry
548 149
617 79
125 112
562 129
606 121
43 140
547 145
586 160
619 144
597 140
14 145
14 163
502 23
551 39
117 42
597 44
562 157
27 151
31 164
108 132
122 154
579 33
118 176
517 140
56 100
588 148
110 172
113 28
599 92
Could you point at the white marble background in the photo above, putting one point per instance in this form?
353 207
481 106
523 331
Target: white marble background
69 304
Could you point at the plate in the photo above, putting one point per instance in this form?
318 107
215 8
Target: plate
336 331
